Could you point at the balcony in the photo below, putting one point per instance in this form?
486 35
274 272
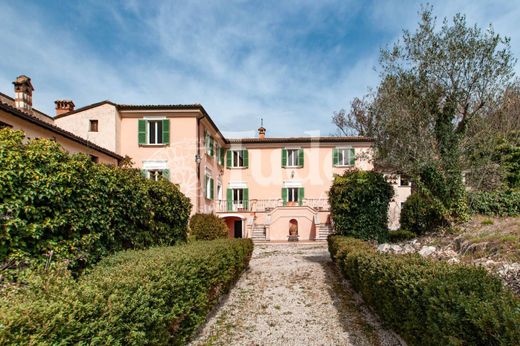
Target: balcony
266 205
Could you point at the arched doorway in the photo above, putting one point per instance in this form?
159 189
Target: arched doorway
235 225
293 230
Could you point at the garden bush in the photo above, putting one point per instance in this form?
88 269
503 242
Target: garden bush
66 207
421 214
208 227
400 235
499 203
359 204
157 296
430 302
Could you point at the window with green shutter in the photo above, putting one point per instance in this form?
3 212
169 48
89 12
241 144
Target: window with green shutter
343 157
152 132
284 196
222 155
300 157
229 199
292 158
284 158
237 159
166 174
300 196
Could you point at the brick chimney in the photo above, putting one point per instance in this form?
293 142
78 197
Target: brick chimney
64 106
23 93
261 130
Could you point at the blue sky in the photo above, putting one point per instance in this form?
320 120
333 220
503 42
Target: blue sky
291 62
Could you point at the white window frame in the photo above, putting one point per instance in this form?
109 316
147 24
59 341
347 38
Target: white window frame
292 194
344 159
293 157
236 156
154 174
156 131
238 192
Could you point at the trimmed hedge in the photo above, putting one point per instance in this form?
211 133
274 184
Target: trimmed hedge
52 202
421 214
154 297
500 203
430 302
208 227
359 204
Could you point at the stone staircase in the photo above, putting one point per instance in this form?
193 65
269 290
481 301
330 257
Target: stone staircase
258 233
323 230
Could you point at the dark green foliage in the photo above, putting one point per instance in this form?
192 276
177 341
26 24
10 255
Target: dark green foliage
54 203
359 204
208 227
430 302
507 154
400 235
500 203
138 297
420 215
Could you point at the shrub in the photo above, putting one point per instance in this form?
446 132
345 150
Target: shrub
400 235
359 204
155 297
420 214
430 302
499 203
208 227
55 203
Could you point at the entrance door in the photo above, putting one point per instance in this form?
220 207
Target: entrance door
238 229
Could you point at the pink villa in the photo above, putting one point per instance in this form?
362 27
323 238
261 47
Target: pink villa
262 187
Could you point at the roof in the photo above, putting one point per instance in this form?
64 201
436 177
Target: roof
324 139
199 107
127 107
10 101
57 130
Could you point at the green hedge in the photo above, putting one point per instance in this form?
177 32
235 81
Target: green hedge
430 302
154 297
420 214
500 203
359 204
208 227
400 235
55 203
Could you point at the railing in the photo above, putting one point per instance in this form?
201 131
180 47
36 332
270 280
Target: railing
265 205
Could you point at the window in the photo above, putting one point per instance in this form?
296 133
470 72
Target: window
219 191
209 143
94 158
155 174
292 157
220 154
153 131
292 195
344 157
237 199
93 125
4 125
209 187
238 158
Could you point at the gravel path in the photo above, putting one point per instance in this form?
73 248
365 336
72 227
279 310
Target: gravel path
292 294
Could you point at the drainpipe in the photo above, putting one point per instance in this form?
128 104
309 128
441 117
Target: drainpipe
198 159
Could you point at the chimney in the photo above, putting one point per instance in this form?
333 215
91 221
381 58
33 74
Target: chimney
64 106
23 93
261 130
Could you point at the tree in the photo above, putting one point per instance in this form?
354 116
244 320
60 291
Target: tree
434 85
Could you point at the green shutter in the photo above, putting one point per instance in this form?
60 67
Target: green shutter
284 158
211 146
284 196
141 132
222 155
246 158
211 187
143 173
300 196
166 131
246 198
229 196
206 186
166 174
300 157
229 157
351 156
335 157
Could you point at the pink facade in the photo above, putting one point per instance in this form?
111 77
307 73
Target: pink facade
260 186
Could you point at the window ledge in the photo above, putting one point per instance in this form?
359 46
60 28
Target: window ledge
154 145
292 167
344 166
237 167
